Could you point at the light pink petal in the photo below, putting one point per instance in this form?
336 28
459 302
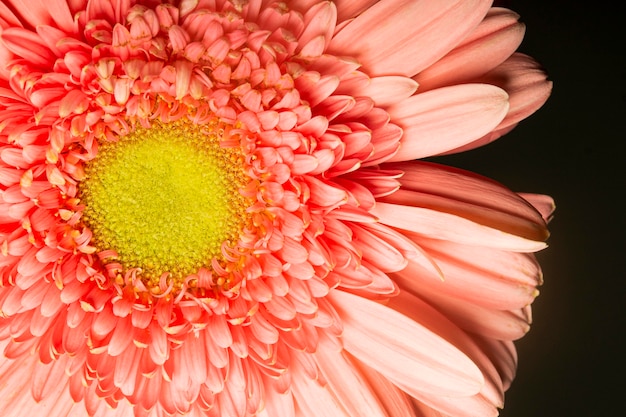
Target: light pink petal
411 37
438 323
503 355
544 204
525 82
320 22
528 88
408 354
29 46
487 46
467 195
396 402
17 399
311 397
476 286
388 90
348 9
472 315
476 405
277 403
45 12
379 249
346 383
447 118
519 268
439 225
46 378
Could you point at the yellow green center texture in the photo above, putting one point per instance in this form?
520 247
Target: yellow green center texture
165 198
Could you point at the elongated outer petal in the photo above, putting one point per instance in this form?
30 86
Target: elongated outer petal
27 45
447 118
468 195
492 393
388 90
45 12
348 9
405 352
504 357
528 88
544 204
487 46
468 311
313 399
347 384
438 225
395 401
404 36
17 398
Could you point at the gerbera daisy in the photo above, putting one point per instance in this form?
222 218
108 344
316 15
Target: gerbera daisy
215 208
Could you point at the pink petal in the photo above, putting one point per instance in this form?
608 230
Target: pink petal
45 12
517 268
528 88
313 399
466 308
29 46
423 31
320 21
467 195
379 249
503 355
346 383
544 204
487 46
347 9
388 90
447 118
403 350
476 405
439 225
415 308
7 18
394 400
57 403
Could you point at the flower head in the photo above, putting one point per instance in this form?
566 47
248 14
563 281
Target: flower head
215 208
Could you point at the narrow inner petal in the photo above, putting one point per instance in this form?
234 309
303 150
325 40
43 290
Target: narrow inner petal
166 199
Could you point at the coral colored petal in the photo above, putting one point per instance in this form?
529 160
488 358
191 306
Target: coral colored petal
544 204
528 88
395 401
346 383
473 406
28 45
388 90
347 9
312 398
470 313
438 225
320 21
468 195
413 29
438 323
49 12
401 349
17 398
447 118
518 268
489 44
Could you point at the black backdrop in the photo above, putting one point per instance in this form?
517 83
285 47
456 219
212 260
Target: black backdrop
572 363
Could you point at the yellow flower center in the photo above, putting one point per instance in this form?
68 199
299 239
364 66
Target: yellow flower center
166 199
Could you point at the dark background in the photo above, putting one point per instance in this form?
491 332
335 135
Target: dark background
572 362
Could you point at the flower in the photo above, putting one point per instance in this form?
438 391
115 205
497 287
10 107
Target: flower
216 208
